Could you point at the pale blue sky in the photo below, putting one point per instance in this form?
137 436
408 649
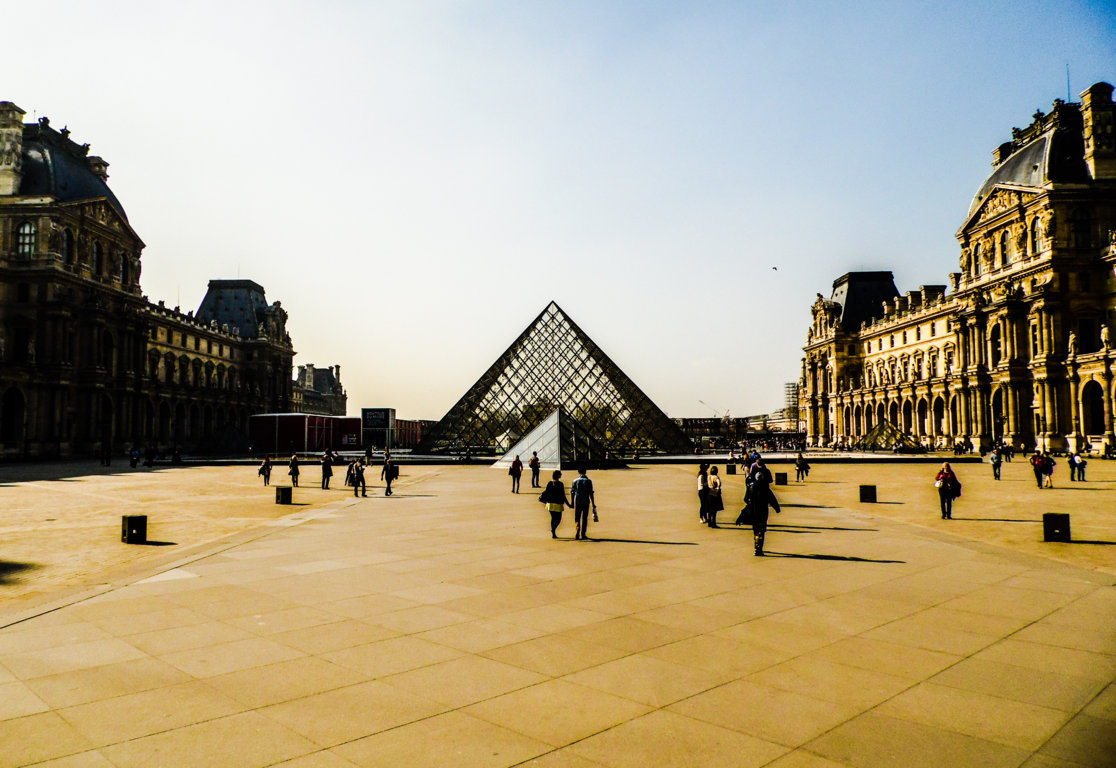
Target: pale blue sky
414 181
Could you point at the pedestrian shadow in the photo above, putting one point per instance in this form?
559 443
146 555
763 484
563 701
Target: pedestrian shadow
9 571
822 527
808 506
395 495
644 541
996 520
841 558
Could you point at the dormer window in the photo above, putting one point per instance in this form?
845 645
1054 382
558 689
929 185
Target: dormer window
25 240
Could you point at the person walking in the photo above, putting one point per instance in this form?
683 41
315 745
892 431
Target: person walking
801 469
265 470
949 488
714 502
554 496
292 470
327 470
357 474
1037 467
534 464
515 470
703 492
581 492
997 459
388 473
760 499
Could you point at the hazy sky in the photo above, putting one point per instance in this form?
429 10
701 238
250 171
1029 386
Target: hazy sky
416 180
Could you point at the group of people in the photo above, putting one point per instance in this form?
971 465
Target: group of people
354 474
581 499
516 470
759 499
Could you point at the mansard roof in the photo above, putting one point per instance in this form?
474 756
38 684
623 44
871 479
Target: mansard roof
861 296
55 165
236 303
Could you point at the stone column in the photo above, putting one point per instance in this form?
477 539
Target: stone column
1075 408
1109 437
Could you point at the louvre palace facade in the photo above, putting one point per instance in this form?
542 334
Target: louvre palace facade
1017 348
87 363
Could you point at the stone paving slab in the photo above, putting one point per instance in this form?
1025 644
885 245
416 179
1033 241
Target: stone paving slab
443 626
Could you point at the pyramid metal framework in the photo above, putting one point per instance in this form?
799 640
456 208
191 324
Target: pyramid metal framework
554 365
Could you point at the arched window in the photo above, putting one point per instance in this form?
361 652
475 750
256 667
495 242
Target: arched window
1004 257
125 273
976 260
25 239
1033 243
98 259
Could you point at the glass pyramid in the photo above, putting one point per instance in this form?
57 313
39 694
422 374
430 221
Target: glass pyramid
560 442
553 365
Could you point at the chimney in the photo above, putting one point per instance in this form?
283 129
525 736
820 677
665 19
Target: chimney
1002 153
98 166
337 373
11 147
1100 134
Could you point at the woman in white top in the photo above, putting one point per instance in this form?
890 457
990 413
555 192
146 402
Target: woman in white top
703 491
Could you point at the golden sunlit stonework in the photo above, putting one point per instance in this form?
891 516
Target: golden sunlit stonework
1018 349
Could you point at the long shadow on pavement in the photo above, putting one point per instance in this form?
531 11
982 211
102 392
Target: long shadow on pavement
641 541
9 571
842 558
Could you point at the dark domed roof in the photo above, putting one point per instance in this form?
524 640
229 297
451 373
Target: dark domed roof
56 166
1051 150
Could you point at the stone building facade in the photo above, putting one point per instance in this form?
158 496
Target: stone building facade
1018 349
318 390
87 363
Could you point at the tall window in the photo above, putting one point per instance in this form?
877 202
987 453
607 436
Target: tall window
1080 227
1004 258
1033 240
25 239
1034 340
976 260
67 247
98 259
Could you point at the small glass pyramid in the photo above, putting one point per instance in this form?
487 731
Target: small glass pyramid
554 366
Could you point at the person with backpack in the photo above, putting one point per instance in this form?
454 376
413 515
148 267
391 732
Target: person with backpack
760 500
1048 465
1037 466
949 488
581 492
554 497
713 501
534 464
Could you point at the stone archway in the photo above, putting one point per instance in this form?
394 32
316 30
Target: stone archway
999 417
908 417
1092 408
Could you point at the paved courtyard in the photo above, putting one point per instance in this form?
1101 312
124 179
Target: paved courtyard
444 627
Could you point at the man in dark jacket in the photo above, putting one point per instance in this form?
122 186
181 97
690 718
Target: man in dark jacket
761 500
